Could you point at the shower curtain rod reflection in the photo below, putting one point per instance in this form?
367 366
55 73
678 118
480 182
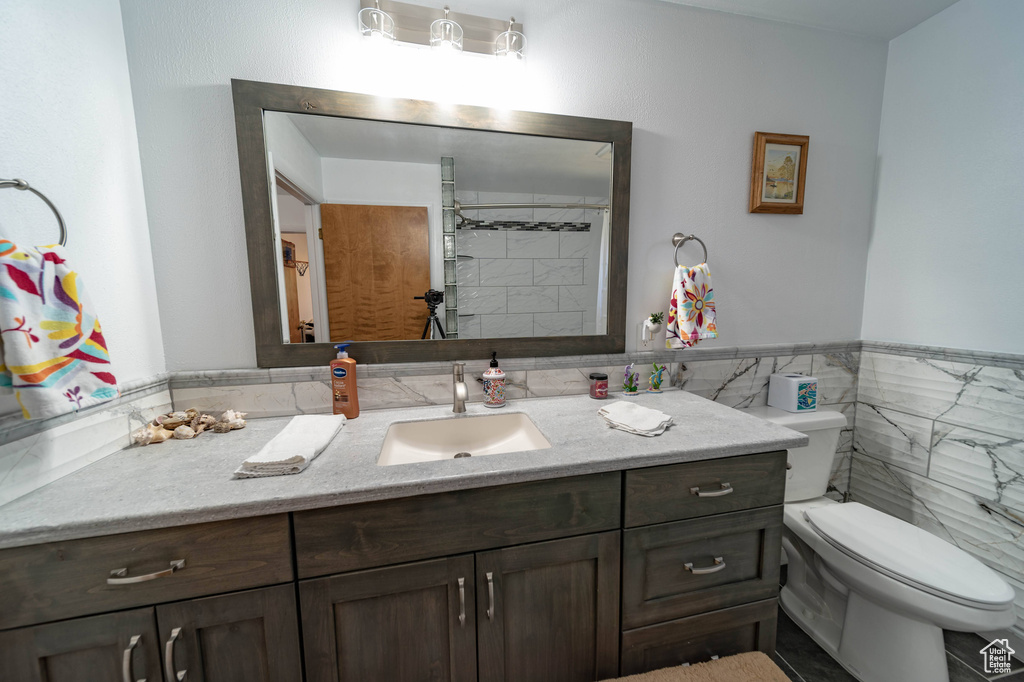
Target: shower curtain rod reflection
474 207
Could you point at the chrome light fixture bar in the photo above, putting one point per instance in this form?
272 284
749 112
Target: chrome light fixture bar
376 23
412 24
446 34
511 44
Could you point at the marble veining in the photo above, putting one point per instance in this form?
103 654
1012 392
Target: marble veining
900 439
991 467
976 396
741 383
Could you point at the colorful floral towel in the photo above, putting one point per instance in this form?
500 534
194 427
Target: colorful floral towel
691 313
52 352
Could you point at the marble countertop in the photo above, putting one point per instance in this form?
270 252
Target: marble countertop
183 482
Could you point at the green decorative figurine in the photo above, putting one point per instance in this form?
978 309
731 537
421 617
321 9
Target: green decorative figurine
657 376
630 381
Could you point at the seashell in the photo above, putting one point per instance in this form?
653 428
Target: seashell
174 420
191 413
184 433
236 424
150 433
221 427
232 415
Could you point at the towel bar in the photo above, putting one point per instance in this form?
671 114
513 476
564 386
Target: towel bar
22 185
678 239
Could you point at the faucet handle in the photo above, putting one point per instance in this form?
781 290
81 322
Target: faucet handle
458 370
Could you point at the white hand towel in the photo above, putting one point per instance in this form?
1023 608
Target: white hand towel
291 451
634 418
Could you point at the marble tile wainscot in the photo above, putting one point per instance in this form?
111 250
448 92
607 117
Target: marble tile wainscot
733 376
939 442
34 453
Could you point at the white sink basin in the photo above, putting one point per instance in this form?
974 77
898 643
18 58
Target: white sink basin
428 441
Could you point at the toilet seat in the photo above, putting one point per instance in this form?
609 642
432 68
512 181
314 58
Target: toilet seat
909 554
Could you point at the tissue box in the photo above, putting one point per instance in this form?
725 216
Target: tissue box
793 392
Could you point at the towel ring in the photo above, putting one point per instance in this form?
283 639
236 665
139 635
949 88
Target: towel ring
678 239
22 185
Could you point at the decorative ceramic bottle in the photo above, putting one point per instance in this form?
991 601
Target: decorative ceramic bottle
494 384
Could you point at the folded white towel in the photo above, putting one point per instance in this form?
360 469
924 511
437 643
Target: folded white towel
291 451
634 418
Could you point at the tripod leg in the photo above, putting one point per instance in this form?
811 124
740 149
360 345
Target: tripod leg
440 329
426 328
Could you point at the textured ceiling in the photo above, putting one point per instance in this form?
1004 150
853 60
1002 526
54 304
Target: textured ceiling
879 19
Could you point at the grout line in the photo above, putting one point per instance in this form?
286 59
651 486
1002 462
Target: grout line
795 671
979 675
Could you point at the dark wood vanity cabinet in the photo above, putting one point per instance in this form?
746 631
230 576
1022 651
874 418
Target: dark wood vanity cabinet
573 579
248 636
700 568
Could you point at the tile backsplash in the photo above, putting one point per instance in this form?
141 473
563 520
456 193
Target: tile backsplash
529 282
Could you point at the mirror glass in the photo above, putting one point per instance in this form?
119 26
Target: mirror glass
398 232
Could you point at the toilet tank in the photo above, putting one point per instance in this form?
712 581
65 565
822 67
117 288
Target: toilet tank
810 466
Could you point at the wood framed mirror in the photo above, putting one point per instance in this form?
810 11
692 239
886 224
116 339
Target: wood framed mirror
362 256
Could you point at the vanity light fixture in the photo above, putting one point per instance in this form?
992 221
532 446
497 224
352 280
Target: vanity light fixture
511 44
376 23
412 24
446 34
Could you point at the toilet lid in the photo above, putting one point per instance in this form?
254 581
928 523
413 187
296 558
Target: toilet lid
909 553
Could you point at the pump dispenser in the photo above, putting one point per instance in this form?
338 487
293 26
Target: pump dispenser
345 396
494 384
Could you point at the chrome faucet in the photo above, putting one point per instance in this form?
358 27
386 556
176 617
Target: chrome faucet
460 392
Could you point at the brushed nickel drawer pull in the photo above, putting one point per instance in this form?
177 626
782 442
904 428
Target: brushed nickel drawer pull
462 602
119 576
719 565
725 490
126 661
169 659
490 596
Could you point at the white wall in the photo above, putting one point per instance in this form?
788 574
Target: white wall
293 155
67 126
946 262
696 84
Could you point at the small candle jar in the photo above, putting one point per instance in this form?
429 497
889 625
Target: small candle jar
598 386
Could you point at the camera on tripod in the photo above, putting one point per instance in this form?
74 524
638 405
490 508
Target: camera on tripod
433 298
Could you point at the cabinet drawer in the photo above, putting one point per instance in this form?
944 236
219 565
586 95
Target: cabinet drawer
64 579
373 534
736 630
685 491
686 567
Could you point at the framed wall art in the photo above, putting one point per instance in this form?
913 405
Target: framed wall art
778 173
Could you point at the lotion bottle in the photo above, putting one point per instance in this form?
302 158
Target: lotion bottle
345 397
494 384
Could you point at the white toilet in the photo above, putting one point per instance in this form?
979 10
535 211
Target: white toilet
872 590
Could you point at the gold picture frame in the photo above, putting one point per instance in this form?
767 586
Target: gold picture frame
778 173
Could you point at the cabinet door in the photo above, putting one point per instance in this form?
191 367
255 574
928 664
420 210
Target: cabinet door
550 611
406 623
118 646
247 636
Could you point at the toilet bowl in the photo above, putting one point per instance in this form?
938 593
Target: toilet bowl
872 590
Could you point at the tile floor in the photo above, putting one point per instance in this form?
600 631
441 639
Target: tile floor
804 661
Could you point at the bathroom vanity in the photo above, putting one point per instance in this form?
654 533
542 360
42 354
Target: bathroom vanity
605 554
